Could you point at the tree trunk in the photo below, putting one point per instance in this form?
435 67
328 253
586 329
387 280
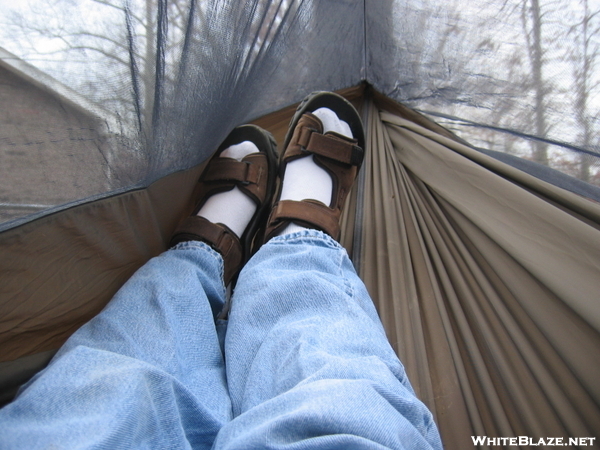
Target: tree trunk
582 78
540 153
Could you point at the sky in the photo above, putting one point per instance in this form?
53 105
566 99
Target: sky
488 37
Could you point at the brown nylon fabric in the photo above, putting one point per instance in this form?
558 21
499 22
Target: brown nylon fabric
486 280
57 272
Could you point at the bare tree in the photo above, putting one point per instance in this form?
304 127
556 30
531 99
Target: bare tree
118 61
531 16
584 56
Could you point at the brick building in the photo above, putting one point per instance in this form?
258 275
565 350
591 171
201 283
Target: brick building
54 143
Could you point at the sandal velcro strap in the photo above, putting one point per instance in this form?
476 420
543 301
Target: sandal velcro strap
336 147
331 145
311 213
228 169
218 236
308 137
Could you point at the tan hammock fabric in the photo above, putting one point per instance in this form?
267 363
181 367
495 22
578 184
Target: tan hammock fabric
487 279
488 288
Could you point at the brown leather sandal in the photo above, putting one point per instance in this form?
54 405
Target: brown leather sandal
254 175
340 156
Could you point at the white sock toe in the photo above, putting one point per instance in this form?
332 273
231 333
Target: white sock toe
238 151
303 178
232 208
331 122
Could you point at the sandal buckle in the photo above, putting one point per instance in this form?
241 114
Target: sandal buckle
304 138
245 181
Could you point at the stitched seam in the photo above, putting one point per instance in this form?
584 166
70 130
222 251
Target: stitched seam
348 287
306 236
212 252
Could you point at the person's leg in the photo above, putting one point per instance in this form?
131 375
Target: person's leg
307 359
147 372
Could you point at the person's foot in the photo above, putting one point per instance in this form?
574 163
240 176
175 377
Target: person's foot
233 208
323 152
236 189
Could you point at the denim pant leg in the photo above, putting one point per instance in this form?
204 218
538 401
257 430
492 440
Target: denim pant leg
307 359
147 372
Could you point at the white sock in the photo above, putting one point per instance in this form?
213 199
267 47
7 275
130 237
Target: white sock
304 179
232 208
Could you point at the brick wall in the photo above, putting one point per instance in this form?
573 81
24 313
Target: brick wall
50 153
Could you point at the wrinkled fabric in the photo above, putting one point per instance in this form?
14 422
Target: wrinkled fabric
303 362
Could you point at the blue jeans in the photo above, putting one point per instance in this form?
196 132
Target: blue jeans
303 362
